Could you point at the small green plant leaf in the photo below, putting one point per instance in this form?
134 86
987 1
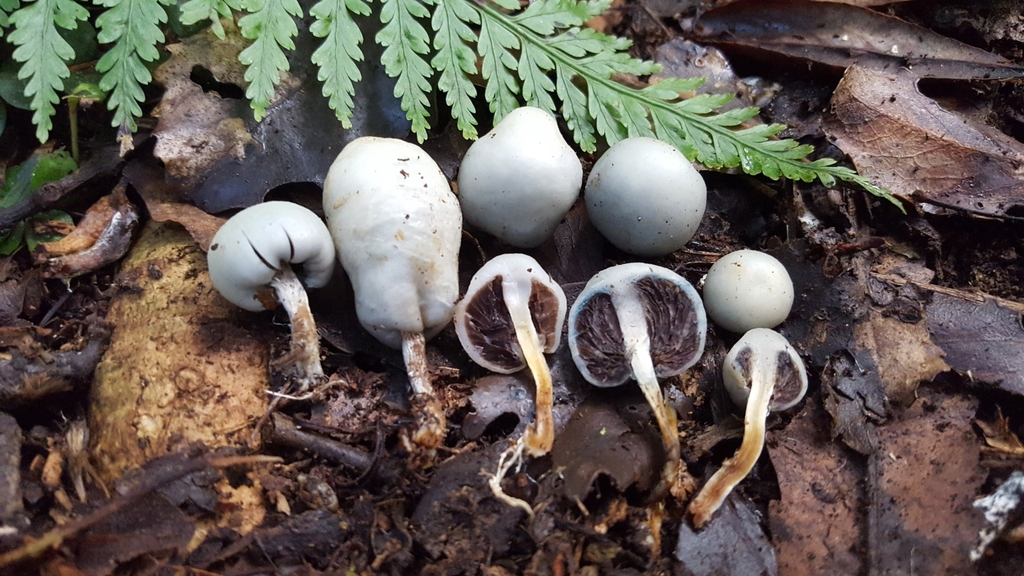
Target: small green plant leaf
270 24
13 239
456 60
195 11
405 41
336 58
44 54
133 26
498 68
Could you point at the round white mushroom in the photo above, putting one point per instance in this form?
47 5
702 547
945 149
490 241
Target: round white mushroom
645 197
518 181
250 261
398 229
748 289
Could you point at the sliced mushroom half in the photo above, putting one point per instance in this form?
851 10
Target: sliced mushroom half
642 322
763 372
511 316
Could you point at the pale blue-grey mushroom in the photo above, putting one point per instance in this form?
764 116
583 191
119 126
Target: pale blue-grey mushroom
518 181
250 261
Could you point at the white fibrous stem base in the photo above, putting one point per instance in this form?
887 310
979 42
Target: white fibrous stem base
735 469
509 458
428 430
643 371
633 323
539 435
303 360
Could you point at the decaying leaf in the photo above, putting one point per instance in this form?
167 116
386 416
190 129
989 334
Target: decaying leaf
999 436
816 523
923 481
981 339
842 35
907 143
732 543
855 399
598 440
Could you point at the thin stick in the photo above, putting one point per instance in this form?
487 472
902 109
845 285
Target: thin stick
56 537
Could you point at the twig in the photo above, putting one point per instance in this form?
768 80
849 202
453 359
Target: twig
56 537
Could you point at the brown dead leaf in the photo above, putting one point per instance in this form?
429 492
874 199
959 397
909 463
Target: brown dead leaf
200 225
905 142
842 35
816 522
999 436
598 441
922 484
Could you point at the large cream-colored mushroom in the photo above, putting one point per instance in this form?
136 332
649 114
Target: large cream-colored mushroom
397 227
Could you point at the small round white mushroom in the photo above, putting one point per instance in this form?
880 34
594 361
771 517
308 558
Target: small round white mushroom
518 181
762 373
511 316
398 229
250 261
645 197
642 322
748 289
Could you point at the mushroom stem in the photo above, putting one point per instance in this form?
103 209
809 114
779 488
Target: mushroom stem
633 324
304 357
426 407
539 435
735 469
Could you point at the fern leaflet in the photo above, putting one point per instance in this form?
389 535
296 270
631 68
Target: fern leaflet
336 58
44 54
405 42
270 24
134 28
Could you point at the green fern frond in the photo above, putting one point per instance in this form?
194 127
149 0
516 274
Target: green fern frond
270 24
405 42
456 60
195 11
44 54
6 8
336 58
133 26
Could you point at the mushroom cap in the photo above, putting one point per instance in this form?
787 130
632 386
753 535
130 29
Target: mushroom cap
767 353
518 181
673 318
645 197
398 230
748 289
484 324
248 250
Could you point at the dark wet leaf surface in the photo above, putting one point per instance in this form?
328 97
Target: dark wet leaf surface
842 35
733 543
983 339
